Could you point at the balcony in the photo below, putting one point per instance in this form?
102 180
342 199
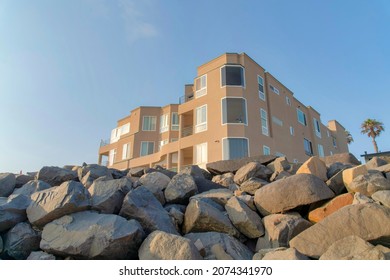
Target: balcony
185 98
104 142
187 131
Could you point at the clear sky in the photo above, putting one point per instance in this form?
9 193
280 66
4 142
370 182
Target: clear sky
70 69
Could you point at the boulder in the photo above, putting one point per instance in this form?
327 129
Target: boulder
383 197
232 165
107 196
53 203
1 245
352 248
177 217
336 183
13 211
279 175
21 240
118 174
225 180
7 184
280 229
330 207
203 217
162 170
180 189
205 185
95 171
193 170
279 254
384 250
336 168
22 179
291 192
94 236
375 162
157 179
136 172
140 204
160 245
252 169
248 200
345 158
55 176
351 173
279 165
220 196
40 255
359 198
244 219
383 168
230 245
369 184
252 185
314 166
31 187
368 221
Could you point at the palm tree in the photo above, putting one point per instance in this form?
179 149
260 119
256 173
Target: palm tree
373 129
349 137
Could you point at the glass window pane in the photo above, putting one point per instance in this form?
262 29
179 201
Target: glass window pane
232 76
234 110
234 148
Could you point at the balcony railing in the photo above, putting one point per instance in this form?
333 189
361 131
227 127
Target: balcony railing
187 131
185 98
104 142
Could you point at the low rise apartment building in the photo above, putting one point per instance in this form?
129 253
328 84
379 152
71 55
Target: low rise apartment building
234 108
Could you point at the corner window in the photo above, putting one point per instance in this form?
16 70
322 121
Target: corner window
149 123
164 123
234 148
232 75
147 148
317 128
308 147
201 119
264 122
260 81
266 150
201 86
301 117
234 111
175 121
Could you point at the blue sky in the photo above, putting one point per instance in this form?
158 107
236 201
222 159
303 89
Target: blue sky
70 69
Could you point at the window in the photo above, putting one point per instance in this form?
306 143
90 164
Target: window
264 122
301 117
111 157
201 86
234 111
175 121
292 131
162 143
116 133
232 75
279 154
266 151
164 123
201 119
201 153
288 101
328 133
321 150
149 123
317 129
274 89
147 148
261 87
334 142
308 147
277 121
234 148
126 151
331 153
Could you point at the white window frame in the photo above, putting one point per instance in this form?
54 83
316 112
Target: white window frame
264 125
200 126
266 150
246 111
175 127
200 154
292 131
164 123
288 101
309 153
233 65
223 146
153 127
317 127
112 157
321 152
274 89
162 143
142 142
304 117
277 121
328 133
261 93
203 86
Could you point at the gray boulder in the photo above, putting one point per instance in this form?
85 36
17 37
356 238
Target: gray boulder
160 245
279 165
247 221
205 185
180 189
53 203
203 217
368 221
220 196
232 165
107 196
157 179
1 245
335 168
352 248
252 169
136 172
225 180
252 185
369 184
21 240
22 179
279 175
375 162
344 158
88 173
193 170
140 204
336 183
55 176
40 255
231 246
162 170
383 197
291 192
280 253
7 184
89 235
13 211
31 187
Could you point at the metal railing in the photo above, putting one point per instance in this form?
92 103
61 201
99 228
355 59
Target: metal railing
187 131
104 142
185 98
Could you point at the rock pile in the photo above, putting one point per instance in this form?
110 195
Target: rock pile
253 208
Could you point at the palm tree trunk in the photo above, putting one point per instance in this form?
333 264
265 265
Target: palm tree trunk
375 145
